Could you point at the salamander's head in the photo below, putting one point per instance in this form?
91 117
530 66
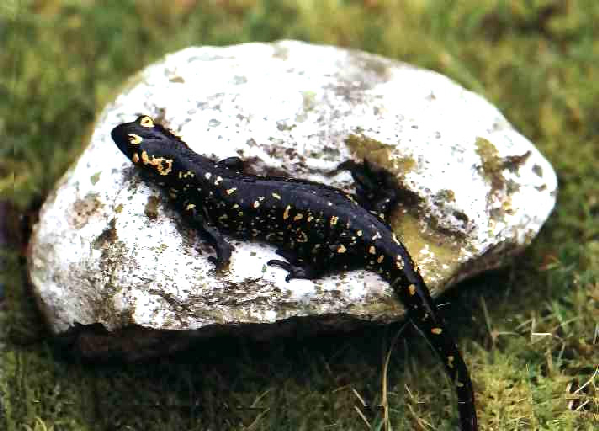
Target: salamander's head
148 144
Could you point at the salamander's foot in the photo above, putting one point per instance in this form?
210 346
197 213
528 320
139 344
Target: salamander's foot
222 258
294 271
376 188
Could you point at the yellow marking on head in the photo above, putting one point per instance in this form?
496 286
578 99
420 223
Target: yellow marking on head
333 221
135 158
299 216
359 233
286 213
341 249
380 259
436 331
158 163
134 139
256 204
372 249
189 207
146 122
276 196
231 191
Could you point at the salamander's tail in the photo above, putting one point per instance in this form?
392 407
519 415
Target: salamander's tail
422 311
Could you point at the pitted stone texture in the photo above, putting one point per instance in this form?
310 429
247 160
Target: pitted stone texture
110 252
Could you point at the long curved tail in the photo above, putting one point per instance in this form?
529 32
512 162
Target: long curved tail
423 313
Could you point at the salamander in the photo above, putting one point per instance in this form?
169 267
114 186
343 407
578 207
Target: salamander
318 229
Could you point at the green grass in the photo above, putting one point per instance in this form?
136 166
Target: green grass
526 331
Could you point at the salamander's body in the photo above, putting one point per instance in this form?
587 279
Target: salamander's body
319 229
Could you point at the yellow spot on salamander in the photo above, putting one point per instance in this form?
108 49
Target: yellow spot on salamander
145 158
256 204
359 233
146 122
231 191
160 167
189 207
412 289
276 196
341 249
333 221
286 213
135 158
235 205
450 360
134 139
299 216
436 331
372 249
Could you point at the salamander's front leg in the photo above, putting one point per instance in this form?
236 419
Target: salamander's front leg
296 268
210 233
375 187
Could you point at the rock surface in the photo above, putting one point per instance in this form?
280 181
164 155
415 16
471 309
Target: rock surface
117 272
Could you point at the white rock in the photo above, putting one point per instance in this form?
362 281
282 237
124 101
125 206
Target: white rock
109 250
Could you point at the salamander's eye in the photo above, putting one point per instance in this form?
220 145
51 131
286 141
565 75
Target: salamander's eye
146 122
134 139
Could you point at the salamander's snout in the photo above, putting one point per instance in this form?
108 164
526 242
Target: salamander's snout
129 136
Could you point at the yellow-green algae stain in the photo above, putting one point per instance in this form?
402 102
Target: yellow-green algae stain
438 251
379 153
492 164
95 177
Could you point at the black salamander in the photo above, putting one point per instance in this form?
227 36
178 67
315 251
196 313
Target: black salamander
318 228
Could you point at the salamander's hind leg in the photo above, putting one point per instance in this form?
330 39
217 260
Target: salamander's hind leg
296 267
210 233
376 188
233 163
